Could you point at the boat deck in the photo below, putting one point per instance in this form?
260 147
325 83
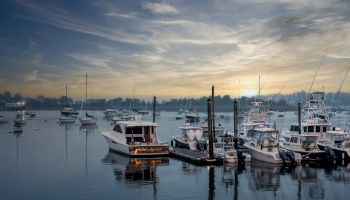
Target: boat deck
195 157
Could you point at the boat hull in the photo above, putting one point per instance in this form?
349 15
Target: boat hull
340 154
263 156
138 150
87 121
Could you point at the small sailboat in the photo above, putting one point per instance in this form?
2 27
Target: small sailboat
68 110
87 119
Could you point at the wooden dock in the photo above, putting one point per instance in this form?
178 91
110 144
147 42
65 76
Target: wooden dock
195 157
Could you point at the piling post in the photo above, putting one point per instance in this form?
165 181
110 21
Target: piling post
235 121
299 117
213 109
154 108
210 133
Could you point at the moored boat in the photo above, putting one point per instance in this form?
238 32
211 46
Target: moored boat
136 138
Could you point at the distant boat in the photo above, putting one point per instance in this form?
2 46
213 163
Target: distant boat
68 110
17 128
192 116
67 119
87 119
20 118
3 119
110 113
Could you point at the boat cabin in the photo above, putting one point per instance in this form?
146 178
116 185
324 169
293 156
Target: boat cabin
137 132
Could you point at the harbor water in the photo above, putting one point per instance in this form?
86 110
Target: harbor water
66 161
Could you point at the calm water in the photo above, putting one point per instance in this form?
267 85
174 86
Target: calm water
52 161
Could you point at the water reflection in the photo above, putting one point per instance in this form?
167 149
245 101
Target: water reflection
136 171
264 177
87 130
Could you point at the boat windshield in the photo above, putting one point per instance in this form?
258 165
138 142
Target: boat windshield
308 140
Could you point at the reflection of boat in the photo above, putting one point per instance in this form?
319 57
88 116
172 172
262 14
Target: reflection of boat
265 176
135 170
136 138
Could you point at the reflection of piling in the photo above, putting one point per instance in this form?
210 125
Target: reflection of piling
154 108
213 110
235 121
210 133
299 117
211 194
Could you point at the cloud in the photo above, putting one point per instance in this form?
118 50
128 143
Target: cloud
32 44
36 59
160 8
32 76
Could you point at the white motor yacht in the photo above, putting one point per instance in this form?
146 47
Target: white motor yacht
191 138
136 138
338 142
264 147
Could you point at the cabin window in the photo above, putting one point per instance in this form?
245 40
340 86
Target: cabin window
310 129
136 139
294 128
134 130
294 140
117 128
305 129
286 139
324 129
318 129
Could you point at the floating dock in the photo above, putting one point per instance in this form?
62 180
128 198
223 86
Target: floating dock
195 157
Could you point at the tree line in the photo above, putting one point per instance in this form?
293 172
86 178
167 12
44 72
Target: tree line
277 102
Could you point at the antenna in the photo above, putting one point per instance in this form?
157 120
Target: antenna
318 69
341 84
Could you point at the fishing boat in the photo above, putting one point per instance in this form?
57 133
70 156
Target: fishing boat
337 142
87 119
263 146
257 117
191 138
192 116
224 146
136 138
304 144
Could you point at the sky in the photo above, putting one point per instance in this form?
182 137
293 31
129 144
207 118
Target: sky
175 48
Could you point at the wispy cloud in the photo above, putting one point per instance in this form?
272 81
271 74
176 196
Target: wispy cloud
160 8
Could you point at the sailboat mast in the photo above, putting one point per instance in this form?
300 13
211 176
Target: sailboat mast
259 88
66 96
85 87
